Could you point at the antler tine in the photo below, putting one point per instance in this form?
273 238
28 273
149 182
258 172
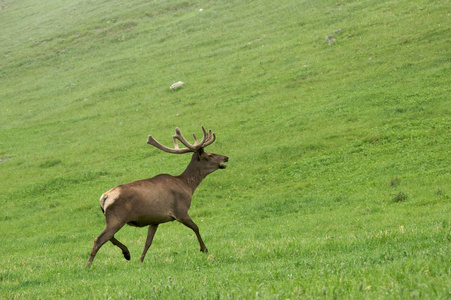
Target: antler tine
195 138
204 137
178 135
176 144
210 140
209 135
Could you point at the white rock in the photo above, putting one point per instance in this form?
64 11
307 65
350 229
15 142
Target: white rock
176 85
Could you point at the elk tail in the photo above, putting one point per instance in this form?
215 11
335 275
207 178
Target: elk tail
102 202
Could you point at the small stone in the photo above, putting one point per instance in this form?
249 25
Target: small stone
176 85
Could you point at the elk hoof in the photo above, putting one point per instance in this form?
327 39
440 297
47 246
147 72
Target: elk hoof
126 255
204 250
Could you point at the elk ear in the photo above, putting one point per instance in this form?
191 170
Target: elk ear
199 153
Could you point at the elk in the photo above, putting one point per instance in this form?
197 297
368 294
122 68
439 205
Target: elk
159 199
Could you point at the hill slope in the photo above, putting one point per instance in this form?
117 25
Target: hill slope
338 180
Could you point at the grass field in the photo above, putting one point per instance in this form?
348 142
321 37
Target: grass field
338 184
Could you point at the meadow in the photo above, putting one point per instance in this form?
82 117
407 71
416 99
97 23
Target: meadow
335 115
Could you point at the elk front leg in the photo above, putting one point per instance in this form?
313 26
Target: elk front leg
150 235
189 223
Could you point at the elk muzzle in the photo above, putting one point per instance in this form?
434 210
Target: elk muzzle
222 165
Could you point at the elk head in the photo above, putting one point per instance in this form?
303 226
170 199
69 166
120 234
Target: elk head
207 162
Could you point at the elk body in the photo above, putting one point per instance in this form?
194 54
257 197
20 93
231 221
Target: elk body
160 199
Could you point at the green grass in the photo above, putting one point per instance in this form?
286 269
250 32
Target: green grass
338 184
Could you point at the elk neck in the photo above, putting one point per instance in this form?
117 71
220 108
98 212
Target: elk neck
193 174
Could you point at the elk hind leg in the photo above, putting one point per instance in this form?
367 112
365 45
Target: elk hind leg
124 248
104 237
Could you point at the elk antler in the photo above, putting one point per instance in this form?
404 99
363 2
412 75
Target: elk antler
207 139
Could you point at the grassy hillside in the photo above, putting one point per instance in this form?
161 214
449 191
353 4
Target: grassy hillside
338 183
